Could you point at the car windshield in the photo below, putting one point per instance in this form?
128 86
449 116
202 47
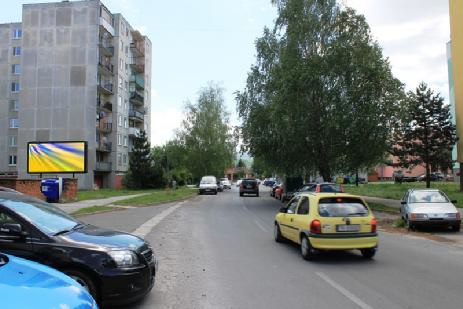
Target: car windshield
427 197
208 180
342 207
47 218
330 188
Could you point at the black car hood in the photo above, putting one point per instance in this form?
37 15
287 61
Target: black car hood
100 238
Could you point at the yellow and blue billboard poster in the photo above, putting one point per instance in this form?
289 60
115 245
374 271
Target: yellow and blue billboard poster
56 157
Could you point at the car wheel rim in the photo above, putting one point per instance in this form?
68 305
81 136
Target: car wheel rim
81 282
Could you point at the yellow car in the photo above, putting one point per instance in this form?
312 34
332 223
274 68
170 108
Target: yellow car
327 221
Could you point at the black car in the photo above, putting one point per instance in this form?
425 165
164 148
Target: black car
115 267
249 186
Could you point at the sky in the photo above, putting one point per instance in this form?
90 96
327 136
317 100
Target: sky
195 42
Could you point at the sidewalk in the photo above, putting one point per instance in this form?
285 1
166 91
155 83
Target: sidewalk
71 207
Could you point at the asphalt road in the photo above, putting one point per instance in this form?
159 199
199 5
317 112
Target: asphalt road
219 252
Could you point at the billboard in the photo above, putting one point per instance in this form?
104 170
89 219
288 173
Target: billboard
56 157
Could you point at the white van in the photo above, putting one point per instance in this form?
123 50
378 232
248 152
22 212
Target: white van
208 184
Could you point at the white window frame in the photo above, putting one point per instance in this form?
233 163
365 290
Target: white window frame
12 141
15 87
16 51
125 141
12 160
119 159
16 69
119 139
119 101
126 123
119 120
17 33
14 123
14 105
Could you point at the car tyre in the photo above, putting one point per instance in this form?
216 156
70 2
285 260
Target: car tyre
215 193
456 227
241 194
368 253
84 280
277 233
307 251
257 194
409 225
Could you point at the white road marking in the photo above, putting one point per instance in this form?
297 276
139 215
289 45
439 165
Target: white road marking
343 291
261 226
146 227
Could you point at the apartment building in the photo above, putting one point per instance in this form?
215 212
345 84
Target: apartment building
73 71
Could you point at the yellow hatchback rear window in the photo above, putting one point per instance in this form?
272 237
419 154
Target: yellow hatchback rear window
342 207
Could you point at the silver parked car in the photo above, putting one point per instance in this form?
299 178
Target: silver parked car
429 207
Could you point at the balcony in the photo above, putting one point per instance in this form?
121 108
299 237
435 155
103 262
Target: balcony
138 81
106 49
137 98
106 87
138 48
108 107
105 68
134 131
136 115
104 147
104 127
103 166
137 65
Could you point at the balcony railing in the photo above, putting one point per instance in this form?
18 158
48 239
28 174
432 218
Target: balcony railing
106 68
108 106
106 87
137 65
136 97
104 127
138 81
137 48
106 49
104 147
134 131
136 115
103 166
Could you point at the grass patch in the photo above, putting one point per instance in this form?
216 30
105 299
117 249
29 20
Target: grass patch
159 196
399 223
381 207
397 191
92 210
83 195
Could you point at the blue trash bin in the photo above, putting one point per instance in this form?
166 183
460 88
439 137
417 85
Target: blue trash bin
51 189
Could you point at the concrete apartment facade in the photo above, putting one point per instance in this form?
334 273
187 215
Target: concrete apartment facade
84 75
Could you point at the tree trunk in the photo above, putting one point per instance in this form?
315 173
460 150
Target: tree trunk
461 177
428 176
357 178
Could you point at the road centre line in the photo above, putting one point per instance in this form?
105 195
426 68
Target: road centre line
146 227
343 291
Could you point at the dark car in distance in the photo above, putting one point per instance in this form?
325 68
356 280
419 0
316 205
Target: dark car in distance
249 186
115 267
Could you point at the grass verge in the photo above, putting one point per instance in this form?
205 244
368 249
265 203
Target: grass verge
159 196
381 207
397 191
92 210
83 195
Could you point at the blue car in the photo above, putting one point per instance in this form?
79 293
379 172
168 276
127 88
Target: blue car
26 284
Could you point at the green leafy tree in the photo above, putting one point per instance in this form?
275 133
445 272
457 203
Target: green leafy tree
142 172
321 96
428 135
206 136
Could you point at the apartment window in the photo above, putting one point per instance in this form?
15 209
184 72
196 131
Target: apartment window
119 139
17 33
13 141
127 32
126 103
119 101
119 159
16 69
122 46
121 64
119 121
126 124
124 158
121 82
16 51
15 87
14 123
14 105
12 160
125 140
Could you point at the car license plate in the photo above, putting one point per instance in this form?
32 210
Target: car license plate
44 188
348 228
249 186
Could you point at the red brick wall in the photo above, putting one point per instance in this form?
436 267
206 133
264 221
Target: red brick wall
69 193
26 186
118 181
